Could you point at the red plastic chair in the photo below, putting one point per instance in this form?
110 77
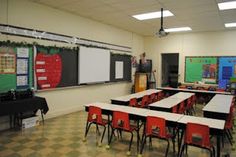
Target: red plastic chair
198 135
121 122
152 98
175 109
133 102
181 109
95 117
189 107
156 128
160 96
144 102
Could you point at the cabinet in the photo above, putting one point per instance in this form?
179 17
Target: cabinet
140 82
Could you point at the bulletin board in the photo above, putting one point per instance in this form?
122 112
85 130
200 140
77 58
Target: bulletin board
119 61
56 67
201 69
16 67
227 69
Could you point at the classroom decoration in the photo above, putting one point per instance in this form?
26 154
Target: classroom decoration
201 69
43 35
16 66
227 69
55 67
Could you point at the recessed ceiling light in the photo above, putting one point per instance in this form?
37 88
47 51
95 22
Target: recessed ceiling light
228 25
153 15
179 29
227 5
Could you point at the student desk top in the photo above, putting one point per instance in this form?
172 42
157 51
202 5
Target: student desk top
218 107
168 103
124 100
192 90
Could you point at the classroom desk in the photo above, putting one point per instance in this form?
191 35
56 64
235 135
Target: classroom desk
165 104
138 114
218 107
216 127
182 95
24 105
192 90
124 100
168 103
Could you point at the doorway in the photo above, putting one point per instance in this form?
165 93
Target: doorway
170 69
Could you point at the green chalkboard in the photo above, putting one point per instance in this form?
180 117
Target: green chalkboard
8 81
201 69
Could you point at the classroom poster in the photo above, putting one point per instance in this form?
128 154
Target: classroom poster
227 69
201 69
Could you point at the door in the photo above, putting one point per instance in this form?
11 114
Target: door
170 69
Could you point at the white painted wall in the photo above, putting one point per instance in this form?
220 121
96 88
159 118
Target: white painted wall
31 15
190 44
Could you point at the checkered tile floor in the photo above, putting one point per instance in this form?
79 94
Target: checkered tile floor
62 137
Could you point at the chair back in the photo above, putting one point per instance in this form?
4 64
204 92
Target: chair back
197 134
194 99
152 98
144 102
189 103
95 114
160 96
181 108
175 109
120 120
155 126
133 102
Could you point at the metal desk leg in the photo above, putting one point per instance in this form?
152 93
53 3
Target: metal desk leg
180 141
138 139
108 130
42 116
218 145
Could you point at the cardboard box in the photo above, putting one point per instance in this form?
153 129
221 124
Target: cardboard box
30 122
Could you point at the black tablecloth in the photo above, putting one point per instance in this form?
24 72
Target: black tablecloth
23 105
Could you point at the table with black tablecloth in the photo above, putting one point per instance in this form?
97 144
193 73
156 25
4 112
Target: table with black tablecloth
14 107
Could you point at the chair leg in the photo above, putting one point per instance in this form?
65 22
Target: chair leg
131 141
173 142
167 149
103 133
143 142
228 130
223 140
87 129
112 132
97 130
228 137
181 150
213 150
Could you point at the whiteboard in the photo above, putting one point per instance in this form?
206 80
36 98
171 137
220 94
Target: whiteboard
94 65
119 69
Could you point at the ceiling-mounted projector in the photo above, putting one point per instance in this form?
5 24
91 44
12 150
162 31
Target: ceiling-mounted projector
162 32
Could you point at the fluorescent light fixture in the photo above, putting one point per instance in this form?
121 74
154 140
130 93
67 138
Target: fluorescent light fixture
179 29
153 15
227 5
228 25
